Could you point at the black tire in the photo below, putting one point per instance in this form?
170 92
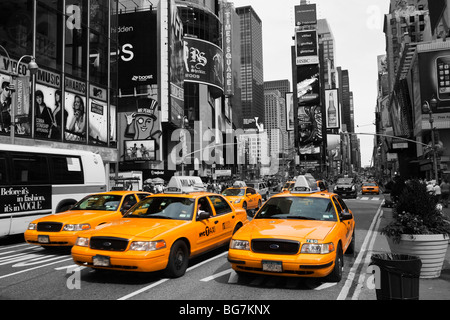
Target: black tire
351 246
336 274
178 260
244 206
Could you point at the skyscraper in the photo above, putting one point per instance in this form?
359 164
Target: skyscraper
252 74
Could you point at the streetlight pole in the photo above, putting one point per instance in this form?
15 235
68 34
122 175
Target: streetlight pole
427 108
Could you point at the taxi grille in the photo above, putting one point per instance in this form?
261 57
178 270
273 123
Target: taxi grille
49 226
275 246
109 243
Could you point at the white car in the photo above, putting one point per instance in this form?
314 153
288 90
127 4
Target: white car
261 188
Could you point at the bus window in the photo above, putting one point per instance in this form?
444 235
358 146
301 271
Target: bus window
31 169
66 170
3 178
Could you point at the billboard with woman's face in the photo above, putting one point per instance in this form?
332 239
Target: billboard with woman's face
76 119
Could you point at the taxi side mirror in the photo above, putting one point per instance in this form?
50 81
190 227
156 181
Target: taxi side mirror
345 215
202 215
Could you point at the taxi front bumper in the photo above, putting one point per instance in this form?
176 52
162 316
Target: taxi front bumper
51 239
299 265
140 261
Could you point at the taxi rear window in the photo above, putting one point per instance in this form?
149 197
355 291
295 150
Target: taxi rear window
177 208
301 208
99 202
234 192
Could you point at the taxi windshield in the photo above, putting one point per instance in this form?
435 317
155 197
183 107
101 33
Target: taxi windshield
370 184
177 208
233 192
301 208
105 202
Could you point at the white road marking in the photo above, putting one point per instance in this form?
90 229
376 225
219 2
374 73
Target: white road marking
325 285
217 275
351 275
26 270
132 294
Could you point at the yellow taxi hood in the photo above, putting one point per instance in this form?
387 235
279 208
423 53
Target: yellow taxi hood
77 216
299 230
147 228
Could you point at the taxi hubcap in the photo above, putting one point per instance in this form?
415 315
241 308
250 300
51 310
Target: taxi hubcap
179 259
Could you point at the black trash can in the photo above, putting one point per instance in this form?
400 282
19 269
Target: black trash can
399 276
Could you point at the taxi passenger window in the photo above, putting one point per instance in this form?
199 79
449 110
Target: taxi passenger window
338 206
220 205
342 203
128 202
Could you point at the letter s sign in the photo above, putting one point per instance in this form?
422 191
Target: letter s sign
127 54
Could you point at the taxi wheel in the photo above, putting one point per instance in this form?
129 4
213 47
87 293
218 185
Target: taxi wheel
351 246
336 274
244 206
178 260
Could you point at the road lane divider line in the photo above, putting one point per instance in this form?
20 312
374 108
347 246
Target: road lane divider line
351 275
217 275
362 276
132 294
34 268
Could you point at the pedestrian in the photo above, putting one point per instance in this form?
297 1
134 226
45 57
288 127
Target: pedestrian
397 188
445 192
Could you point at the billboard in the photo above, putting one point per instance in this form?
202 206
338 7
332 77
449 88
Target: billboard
309 111
305 15
203 62
306 47
289 111
138 52
332 109
434 71
228 40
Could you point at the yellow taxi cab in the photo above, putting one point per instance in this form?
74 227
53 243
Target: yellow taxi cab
370 187
62 229
163 231
288 186
243 197
302 233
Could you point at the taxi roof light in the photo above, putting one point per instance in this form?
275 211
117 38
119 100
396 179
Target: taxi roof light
305 184
185 184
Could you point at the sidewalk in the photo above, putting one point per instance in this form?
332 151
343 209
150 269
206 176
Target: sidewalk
429 289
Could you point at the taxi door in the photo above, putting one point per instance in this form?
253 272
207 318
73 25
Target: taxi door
207 230
224 216
346 226
251 198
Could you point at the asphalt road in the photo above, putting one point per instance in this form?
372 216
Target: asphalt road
30 272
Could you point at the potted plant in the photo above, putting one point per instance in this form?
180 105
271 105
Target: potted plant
419 228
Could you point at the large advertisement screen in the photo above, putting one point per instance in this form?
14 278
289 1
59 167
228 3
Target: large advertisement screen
203 62
306 47
434 69
309 113
138 51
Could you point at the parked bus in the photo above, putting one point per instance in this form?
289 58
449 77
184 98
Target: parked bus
38 181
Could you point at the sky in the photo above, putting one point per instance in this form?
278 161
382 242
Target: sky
357 27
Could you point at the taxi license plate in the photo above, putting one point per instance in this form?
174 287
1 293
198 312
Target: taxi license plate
272 266
101 261
43 239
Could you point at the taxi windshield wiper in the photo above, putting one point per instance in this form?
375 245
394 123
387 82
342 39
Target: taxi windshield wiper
300 218
158 216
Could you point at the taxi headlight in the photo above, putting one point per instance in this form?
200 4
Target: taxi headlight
82 242
239 244
317 248
147 245
237 201
77 227
32 226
